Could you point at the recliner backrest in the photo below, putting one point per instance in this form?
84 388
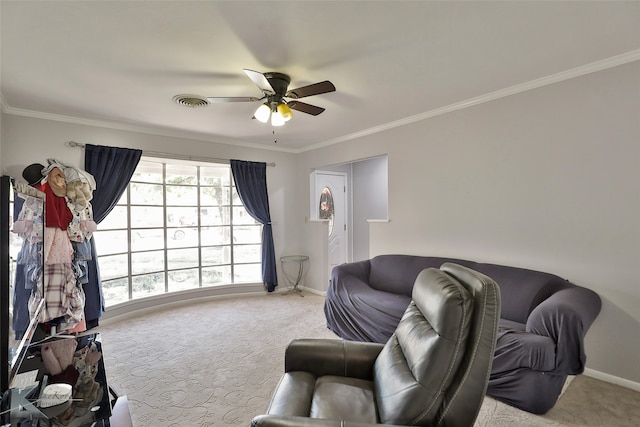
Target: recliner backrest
462 401
421 359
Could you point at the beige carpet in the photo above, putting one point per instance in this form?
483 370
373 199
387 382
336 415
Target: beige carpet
216 363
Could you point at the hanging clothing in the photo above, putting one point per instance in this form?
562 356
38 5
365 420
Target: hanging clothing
48 226
28 224
57 246
82 225
62 297
57 213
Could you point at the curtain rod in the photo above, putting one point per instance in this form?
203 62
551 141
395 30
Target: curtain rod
171 155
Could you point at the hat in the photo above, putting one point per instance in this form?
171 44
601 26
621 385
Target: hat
33 173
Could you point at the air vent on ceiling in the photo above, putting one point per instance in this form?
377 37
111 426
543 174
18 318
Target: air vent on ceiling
192 101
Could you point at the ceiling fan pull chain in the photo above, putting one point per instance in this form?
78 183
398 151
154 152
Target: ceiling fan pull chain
275 140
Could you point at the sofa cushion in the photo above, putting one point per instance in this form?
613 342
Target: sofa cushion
377 304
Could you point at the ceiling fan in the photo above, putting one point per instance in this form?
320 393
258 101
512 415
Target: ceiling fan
278 99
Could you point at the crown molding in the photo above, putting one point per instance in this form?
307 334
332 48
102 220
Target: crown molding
614 61
132 128
593 67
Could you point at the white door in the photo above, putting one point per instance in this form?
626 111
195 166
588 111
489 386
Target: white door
329 203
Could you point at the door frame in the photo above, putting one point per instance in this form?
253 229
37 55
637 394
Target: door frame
313 208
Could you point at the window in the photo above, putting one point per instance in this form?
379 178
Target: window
179 225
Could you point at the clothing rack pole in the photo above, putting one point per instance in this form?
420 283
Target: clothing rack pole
171 155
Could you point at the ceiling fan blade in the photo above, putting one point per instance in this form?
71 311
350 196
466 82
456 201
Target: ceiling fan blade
260 80
305 108
313 89
232 98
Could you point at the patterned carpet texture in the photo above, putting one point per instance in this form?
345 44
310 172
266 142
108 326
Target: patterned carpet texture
216 363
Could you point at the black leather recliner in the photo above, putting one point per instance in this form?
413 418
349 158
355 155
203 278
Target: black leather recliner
433 371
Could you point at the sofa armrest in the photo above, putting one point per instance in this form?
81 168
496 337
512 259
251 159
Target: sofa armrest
357 312
358 269
332 357
280 421
565 317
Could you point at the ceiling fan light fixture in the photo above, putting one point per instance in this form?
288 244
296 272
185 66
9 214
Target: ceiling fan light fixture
275 89
277 119
285 112
262 113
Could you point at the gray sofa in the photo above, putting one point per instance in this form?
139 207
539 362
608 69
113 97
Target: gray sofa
543 320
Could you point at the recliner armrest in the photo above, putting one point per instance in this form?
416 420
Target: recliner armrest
565 317
332 357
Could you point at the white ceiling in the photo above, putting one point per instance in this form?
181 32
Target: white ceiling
119 64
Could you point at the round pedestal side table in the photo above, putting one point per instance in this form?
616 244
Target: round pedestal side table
299 261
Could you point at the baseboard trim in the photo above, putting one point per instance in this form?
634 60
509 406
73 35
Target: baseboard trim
303 289
142 306
612 379
314 291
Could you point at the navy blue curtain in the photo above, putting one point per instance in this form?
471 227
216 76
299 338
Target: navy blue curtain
251 183
112 169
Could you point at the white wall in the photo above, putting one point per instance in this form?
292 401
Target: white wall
370 201
546 179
